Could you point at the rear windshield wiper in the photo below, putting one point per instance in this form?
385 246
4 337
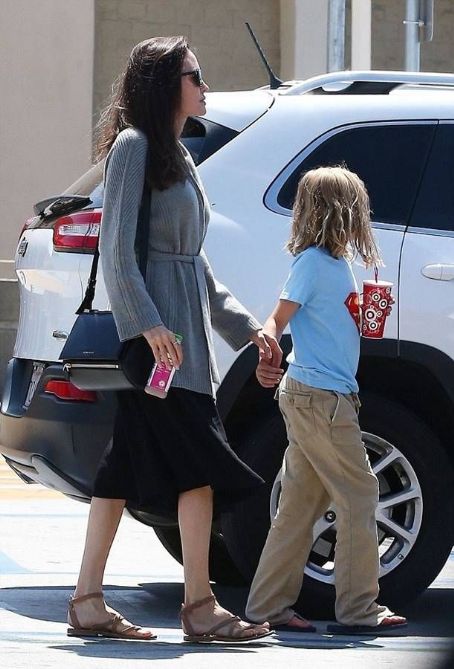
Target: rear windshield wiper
62 204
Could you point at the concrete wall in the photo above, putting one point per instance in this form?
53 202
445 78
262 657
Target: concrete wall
215 29
388 37
46 74
303 38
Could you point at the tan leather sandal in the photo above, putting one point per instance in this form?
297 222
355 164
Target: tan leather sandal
116 627
233 631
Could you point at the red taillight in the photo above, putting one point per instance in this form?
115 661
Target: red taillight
65 390
77 232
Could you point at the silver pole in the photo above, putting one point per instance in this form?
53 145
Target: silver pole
412 44
336 35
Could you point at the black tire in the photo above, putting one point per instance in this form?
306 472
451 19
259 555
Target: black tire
246 527
222 568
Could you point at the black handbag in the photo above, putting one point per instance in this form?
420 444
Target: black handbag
94 357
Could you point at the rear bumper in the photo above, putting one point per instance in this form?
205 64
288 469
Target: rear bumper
54 442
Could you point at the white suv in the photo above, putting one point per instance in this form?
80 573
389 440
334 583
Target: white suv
397 131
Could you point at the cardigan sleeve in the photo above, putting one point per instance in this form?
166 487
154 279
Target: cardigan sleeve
132 307
229 317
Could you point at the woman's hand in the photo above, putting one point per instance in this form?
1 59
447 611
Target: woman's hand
165 348
269 349
267 375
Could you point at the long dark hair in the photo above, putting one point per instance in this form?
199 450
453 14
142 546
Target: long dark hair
147 96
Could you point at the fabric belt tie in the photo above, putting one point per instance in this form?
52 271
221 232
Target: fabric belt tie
160 256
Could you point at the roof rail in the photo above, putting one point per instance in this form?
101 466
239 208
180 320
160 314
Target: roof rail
367 82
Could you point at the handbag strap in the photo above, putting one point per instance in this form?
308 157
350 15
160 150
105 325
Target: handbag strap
140 245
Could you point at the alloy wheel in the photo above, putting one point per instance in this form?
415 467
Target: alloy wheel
398 515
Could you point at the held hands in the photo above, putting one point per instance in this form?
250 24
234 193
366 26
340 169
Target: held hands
165 348
268 346
268 370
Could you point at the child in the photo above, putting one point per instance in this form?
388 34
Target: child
326 459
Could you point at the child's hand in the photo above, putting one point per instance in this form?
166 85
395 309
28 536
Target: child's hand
389 308
267 375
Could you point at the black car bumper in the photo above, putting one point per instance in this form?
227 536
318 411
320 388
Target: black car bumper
52 441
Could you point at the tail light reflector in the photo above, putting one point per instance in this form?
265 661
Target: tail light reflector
77 232
65 390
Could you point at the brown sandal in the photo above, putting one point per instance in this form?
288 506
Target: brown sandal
116 627
229 621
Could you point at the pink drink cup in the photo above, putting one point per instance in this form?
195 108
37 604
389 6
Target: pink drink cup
159 381
376 300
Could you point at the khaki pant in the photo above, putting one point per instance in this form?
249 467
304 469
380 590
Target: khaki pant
325 460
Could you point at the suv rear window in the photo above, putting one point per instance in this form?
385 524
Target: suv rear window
201 137
389 158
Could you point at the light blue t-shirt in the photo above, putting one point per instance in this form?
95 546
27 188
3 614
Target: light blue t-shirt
325 329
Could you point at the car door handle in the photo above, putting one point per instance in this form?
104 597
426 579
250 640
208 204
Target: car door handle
439 272
59 334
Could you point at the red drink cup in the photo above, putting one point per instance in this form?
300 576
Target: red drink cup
376 300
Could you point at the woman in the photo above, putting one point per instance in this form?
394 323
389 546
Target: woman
167 455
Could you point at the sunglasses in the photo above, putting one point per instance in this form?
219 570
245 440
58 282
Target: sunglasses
196 76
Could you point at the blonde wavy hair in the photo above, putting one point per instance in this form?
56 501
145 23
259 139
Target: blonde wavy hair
332 210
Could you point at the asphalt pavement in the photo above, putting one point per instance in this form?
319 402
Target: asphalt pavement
42 536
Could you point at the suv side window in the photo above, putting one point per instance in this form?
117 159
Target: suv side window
435 203
389 158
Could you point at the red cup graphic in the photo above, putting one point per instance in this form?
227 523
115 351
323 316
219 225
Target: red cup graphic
376 300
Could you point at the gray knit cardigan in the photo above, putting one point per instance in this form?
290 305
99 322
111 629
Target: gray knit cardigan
180 290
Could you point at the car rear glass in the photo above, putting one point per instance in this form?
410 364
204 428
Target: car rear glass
389 158
200 136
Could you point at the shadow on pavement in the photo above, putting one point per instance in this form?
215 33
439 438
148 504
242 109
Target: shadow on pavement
50 603
149 650
432 613
154 605
157 605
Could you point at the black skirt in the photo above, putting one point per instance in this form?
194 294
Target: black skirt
162 447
